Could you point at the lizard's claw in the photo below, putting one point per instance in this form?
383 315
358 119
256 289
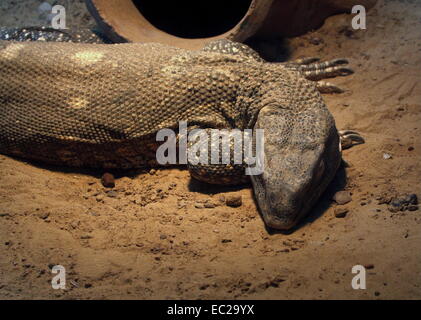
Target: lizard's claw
315 65
314 70
350 138
327 72
327 87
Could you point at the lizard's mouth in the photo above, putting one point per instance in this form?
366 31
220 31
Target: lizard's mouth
282 209
285 194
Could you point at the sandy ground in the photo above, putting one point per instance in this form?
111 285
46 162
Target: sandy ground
151 237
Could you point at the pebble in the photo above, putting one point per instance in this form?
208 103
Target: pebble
404 202
108 180
316 41
112 194
198 205
44 215
234 201
340 212
369 266
342 197
209 205
387 156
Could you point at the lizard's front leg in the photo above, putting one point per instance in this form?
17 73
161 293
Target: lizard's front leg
216 156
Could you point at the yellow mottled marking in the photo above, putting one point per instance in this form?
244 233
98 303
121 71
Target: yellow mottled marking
11 51
77 102
88 57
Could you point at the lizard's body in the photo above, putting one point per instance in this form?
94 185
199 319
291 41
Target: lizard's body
102 105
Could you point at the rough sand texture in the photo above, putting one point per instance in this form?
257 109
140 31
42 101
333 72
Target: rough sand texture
147 238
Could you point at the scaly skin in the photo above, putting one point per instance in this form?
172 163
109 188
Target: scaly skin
95 105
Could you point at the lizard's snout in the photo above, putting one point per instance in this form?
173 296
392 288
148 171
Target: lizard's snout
275 222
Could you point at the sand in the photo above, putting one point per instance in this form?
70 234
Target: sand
151 238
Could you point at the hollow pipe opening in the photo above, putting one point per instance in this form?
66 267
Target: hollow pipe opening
194 19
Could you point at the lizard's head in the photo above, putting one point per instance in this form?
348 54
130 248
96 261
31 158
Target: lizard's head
301 156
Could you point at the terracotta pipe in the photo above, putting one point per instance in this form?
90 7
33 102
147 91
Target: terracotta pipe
126 20
191 23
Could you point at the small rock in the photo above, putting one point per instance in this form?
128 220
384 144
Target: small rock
403 203
369 266
198 205
112 194
340 212
226 240
316 41
152 172
347 32
412 198
74 224
387 156
181 205
342 197
410 148
44 215
99 198
384 199
108 180
234 201
86 236
162 237
209 205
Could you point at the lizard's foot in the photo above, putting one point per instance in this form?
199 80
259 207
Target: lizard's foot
350 138
314 70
